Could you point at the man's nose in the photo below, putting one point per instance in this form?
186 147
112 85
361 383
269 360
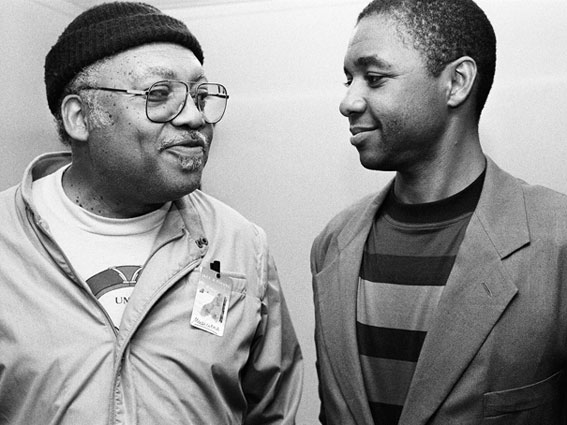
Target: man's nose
353 101
190 115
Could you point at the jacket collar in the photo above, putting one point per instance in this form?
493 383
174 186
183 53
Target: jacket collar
477 292
40 167
501 211
362 222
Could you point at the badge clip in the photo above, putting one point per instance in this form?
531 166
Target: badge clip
215 266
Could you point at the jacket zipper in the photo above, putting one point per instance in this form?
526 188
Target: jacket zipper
187 269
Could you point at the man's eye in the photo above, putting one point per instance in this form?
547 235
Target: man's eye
374 80
159 93
201 97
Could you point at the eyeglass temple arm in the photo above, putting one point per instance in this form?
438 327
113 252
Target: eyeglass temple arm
128 91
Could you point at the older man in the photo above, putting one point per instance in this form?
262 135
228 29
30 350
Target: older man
443 298
128 295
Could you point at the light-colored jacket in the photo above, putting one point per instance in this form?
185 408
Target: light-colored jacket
496 352
62 362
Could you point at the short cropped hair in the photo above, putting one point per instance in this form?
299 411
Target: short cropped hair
443 31
88 77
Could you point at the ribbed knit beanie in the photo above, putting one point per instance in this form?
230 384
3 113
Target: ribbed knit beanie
103 31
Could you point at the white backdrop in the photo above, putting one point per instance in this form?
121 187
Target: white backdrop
281 155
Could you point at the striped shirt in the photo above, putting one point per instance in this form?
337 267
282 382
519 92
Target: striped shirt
407 259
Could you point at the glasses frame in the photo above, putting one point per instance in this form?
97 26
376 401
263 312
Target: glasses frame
145 92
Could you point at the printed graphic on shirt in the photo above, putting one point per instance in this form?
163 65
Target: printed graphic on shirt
113 288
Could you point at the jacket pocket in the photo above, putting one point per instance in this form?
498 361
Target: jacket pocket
524 398
239 282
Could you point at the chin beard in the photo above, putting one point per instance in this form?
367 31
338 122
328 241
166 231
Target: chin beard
192 163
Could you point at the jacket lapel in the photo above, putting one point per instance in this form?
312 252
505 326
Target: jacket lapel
337 286
477 292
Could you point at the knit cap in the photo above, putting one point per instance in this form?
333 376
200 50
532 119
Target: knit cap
103 31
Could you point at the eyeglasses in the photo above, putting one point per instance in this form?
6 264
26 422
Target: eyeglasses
166 99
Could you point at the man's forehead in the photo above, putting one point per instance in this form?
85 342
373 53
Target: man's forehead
371 60
376 41
380 27
159 60
167 73
366 51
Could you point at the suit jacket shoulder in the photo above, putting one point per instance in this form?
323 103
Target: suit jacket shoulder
348 223
547 207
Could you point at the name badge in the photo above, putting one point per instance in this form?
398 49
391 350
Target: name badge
210 308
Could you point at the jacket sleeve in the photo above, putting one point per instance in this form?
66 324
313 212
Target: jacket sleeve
316 261
273 377
333 405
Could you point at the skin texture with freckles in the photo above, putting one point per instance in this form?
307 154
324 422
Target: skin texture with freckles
129 165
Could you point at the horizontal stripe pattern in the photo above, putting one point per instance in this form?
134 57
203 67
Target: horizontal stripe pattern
407 260
385 414
397 306
423 240
387 343
405 270
385 386
439 211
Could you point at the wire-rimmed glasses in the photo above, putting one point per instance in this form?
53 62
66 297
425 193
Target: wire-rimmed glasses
166 99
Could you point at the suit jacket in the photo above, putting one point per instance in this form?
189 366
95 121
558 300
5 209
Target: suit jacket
496 352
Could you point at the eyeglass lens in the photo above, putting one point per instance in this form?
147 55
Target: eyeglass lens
166 99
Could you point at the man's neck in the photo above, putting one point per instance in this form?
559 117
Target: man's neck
441 178
81 191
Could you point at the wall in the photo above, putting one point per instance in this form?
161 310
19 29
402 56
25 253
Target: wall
524 126
281 154
27 31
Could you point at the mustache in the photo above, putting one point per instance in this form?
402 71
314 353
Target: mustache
190 138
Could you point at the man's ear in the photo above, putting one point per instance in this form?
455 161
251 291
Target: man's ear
74 117
463 73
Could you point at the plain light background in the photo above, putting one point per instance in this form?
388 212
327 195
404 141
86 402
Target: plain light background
281 156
